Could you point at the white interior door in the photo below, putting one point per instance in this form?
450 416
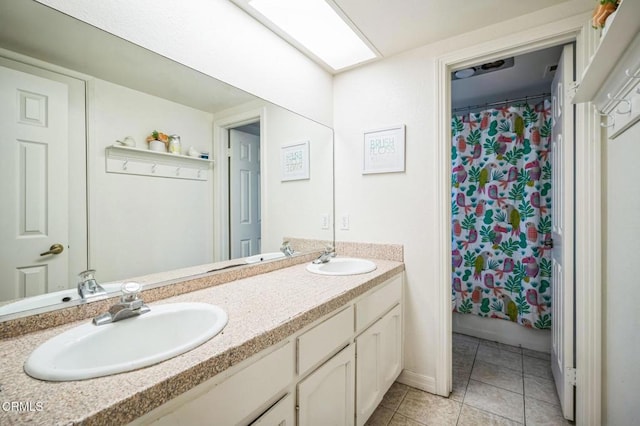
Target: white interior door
33 184
244 177
562 214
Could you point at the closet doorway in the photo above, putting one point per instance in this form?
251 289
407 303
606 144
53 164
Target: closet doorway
238 141
244 190
512 223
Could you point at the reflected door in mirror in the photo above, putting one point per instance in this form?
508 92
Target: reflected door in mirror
244 194
33 184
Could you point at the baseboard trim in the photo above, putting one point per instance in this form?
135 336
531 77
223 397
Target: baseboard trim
502 331
419 381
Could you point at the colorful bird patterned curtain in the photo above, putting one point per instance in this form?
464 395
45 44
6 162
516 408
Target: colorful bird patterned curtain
501 230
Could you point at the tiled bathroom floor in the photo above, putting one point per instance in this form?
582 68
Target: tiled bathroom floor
493 384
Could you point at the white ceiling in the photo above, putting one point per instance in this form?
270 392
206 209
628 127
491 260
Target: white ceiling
393 26
35 30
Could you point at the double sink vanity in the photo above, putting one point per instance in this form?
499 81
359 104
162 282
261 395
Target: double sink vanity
284 348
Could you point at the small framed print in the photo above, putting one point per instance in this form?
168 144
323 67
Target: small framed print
384 150
294 161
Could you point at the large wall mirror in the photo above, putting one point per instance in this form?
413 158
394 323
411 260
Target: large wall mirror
68 93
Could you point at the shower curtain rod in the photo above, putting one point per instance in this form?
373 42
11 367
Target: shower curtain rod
506 101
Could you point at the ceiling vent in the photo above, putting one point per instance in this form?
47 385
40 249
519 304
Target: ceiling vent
483 69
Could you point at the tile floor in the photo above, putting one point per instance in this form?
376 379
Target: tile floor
493 384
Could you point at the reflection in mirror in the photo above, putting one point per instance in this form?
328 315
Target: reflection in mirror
125 210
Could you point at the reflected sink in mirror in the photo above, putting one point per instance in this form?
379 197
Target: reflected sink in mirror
265 256
90 351
61 298
342 266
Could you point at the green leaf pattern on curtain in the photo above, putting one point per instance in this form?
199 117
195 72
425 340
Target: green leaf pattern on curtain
501 197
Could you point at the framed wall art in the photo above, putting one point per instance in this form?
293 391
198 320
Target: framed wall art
294 161
384 150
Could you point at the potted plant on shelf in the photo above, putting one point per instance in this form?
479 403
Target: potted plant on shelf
604 8
158 141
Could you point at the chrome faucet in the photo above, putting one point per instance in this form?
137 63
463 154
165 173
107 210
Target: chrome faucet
328 253
287 249
88 286
130 305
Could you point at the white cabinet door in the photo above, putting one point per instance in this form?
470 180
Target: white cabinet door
326 397
379 362
391 350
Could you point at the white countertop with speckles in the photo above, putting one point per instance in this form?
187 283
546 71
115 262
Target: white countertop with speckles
262 309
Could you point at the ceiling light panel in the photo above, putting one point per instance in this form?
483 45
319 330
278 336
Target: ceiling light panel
316 26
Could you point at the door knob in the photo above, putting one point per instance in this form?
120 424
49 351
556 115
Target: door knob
54 249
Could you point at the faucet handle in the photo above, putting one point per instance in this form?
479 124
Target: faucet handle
286 248
130 291
87 276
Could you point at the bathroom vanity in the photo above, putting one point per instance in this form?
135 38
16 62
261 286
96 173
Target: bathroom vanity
313 372
299 348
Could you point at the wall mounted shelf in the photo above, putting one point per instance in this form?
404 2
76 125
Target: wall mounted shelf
135 161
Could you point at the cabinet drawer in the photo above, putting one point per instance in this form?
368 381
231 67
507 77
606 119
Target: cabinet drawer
242 394
377 303
281 414
324 339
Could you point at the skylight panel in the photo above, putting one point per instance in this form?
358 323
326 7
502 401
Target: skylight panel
316 26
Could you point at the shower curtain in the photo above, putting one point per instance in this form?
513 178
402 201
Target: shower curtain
501 226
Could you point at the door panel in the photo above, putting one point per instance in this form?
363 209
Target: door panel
562 344
245 194
326 397
33 184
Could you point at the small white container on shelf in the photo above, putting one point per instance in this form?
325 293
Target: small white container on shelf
157 146
175 147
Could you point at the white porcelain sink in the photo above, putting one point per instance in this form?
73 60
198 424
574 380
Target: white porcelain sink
49 299
89 351
342 266
265 256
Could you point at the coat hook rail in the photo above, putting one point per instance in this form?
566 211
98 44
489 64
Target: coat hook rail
619 100
632 75
611 120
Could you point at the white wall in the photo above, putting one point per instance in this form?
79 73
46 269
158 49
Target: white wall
290 208
295 208
398 207
219 39
621 312
142 224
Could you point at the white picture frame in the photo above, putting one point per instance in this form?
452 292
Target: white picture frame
294 161
383 150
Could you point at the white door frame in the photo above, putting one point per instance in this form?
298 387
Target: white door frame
221 174
587 223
